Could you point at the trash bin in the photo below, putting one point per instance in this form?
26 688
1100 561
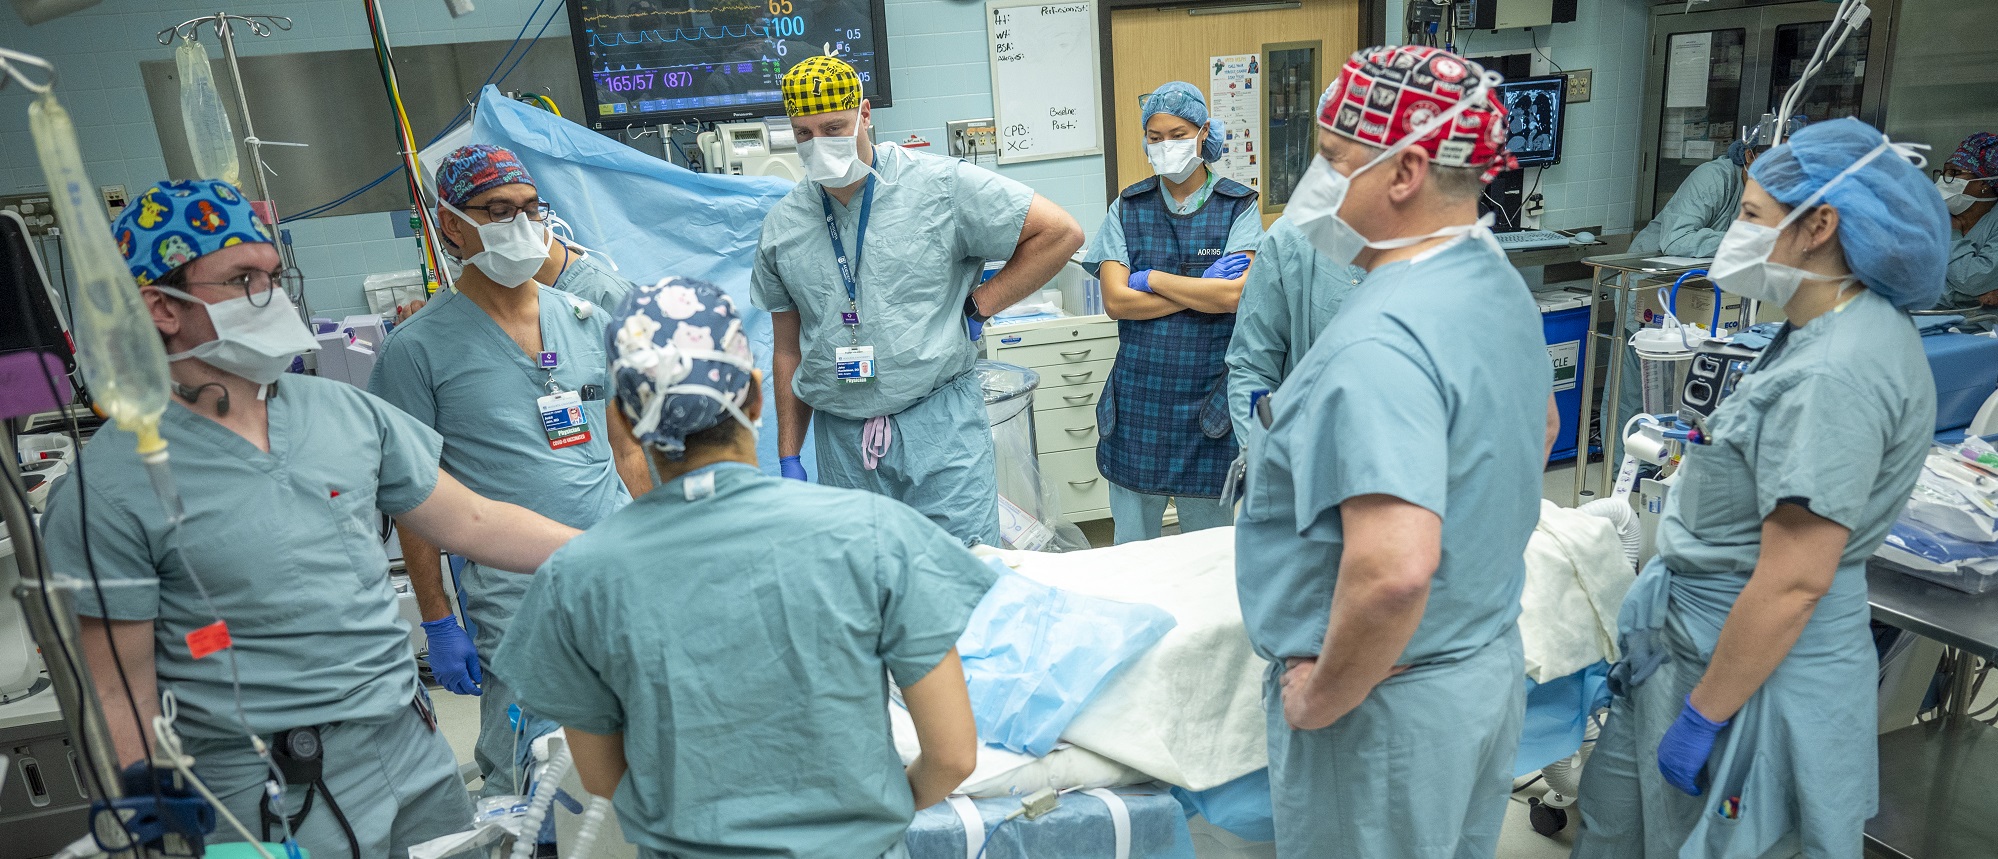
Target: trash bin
1029 518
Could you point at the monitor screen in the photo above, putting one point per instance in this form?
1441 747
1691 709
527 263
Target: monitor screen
1535 108
646 62
29 318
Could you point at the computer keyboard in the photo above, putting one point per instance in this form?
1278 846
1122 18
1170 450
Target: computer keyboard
1530 239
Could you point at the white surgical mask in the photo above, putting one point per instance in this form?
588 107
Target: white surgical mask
1742 265
834 162
256 343
1314 206
514 251
1174 160
1953 190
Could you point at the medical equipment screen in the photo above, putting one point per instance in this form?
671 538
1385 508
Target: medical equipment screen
1534 114
646 62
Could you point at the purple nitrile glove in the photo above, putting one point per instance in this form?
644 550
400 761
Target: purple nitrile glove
1685 748
1141 281
452 659
1228 267
792 467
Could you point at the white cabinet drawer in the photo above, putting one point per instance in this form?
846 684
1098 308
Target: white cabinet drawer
1064 429
1077 483
1086 373
1044 355
1068 396
1009 339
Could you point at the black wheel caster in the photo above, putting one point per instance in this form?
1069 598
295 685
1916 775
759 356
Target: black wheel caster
1546 819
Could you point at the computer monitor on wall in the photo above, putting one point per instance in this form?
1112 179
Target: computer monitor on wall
1536 109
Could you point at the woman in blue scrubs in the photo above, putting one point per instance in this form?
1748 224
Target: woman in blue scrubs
719 651
1172 254
1743 716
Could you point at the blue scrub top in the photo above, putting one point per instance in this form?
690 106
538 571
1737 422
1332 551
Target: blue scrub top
591 279
1694 220
1836 416
1291 294
1973 263
454 369
934 223
742 642
1398 399
287 544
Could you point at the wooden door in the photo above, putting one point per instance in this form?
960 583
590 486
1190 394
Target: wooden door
1148 47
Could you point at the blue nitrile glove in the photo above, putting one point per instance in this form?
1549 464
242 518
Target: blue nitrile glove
1685 748
1140 281
1228 267
453 661
974 328
792 467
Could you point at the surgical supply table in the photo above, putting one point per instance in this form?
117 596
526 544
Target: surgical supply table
1939 779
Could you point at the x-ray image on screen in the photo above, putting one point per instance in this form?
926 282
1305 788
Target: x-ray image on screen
1535 109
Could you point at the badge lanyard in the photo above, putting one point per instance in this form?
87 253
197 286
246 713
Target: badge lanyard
848 269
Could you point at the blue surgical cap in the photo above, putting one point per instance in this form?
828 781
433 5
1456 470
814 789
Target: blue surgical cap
677 352
1184 100
1893 224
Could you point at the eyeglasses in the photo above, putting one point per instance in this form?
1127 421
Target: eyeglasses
257 285
503 213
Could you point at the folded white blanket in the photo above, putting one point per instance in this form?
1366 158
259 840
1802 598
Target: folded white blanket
1576 578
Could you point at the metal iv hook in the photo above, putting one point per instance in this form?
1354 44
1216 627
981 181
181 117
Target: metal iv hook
260 26
10 71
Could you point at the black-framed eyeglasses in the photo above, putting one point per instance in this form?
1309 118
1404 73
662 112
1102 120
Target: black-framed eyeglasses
257 285
504 213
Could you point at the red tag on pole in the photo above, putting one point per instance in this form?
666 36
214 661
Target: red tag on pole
208 639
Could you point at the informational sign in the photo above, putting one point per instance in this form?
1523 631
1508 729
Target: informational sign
1688 62
1046 79
1235 97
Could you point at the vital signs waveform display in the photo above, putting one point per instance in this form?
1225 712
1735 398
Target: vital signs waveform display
645 62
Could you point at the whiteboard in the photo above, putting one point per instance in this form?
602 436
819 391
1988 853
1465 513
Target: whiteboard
1047 90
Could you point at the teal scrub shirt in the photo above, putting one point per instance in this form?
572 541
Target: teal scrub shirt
1835 416
934 223
453 368
589 278
1694 220
1398 399
1291 295
740 632
287 543
1973 264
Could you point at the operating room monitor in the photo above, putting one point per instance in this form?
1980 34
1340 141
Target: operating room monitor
1535 107
650 62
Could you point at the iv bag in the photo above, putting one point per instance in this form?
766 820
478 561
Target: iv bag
202 114
119 349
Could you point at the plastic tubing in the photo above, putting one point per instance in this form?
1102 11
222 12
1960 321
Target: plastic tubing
593 822
537 809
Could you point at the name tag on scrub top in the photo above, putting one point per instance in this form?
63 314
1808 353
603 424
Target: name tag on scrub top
562 417
853 363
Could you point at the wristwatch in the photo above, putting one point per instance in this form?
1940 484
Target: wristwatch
971 311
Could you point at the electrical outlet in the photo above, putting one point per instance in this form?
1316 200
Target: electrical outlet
114 197
1578 85
964 138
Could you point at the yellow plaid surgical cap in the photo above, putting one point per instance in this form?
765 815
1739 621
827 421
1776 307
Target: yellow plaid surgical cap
821 85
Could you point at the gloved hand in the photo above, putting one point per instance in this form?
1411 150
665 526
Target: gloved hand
792 467
1140 281
1685 748
974 328
1228 267
452 659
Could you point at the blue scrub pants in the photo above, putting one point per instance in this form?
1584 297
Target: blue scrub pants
396 780
1421 770
491 597
1139 516
941 461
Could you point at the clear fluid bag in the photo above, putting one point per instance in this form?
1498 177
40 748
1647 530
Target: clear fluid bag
206 120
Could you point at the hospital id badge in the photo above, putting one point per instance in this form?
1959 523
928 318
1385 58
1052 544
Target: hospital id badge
562 417
853 363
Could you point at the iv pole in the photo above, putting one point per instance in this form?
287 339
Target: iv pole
260 26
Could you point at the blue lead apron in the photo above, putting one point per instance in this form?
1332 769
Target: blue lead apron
1164 413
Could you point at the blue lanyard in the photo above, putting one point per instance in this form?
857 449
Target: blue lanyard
846 268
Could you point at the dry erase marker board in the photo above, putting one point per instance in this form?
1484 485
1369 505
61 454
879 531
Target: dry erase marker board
1046 84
